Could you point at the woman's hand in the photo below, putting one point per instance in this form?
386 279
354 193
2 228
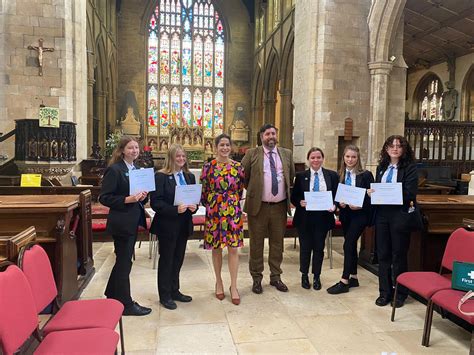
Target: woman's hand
192 208
342 204
139 196
303 203
354 208
182 208
370 192
332 209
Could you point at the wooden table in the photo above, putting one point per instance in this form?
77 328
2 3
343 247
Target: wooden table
442 214
52 216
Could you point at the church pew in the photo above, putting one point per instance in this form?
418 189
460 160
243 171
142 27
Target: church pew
12 242
50 190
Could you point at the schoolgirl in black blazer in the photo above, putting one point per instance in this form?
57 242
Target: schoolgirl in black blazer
313 226
125 215
172 225
392 229
353 219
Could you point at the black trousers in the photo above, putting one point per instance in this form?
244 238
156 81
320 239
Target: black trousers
392 243
118 286
353 224
172 249
312 241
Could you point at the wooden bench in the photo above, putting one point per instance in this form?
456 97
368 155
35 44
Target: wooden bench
12 242
50 190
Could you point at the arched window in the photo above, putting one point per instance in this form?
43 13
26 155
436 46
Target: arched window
185 78
429 99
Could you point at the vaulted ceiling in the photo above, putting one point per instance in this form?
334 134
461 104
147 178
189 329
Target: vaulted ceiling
436 30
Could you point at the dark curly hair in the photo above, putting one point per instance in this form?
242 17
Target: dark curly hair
407 157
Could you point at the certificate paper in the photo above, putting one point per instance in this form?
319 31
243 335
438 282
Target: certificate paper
387 194
318 200
350 195
187 194
141 180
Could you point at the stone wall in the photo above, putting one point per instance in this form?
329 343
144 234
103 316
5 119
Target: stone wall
331 77
61 24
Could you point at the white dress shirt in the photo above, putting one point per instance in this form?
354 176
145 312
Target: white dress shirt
322 182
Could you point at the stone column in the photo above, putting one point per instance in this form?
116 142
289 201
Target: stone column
256 124
101 112
270 110
90 115
379 80
111 112
286 121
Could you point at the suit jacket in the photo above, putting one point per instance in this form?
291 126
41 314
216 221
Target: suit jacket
253 169
409 178
167 218
123 218
302 182
363 180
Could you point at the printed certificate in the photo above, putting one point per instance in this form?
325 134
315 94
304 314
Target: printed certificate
387 194
187 194
350 195
141 180
318 200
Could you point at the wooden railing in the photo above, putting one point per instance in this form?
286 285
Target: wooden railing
438 143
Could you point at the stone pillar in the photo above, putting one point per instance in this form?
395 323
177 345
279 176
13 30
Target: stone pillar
286 121
101 112
379 80
90 115
111 112
270 110
256 124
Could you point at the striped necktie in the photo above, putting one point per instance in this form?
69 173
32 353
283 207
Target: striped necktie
273 171
348 178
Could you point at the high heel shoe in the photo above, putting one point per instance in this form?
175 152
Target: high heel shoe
235 301
219 296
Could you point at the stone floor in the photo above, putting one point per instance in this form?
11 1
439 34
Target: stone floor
300 321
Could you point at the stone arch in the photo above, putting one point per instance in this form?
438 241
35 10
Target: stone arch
100 93
418 92
270 84
467 98
111 107
383 23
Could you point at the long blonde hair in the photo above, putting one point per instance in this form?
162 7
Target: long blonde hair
170 160
357 169
117 154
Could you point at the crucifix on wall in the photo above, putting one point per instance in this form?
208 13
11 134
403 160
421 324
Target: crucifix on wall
40 49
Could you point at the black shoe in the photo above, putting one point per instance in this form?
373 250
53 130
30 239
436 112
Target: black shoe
181 298
305 281
280 286
353 282
169 304
382 301
136 310
398 303
317 283
338 288
257 287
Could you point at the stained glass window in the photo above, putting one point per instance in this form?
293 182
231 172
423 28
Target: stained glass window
430 99
186 70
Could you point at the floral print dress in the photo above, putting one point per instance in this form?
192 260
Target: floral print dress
222 188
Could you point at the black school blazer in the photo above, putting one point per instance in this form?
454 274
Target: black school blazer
301 185
363 180
123 218
167 217
409 178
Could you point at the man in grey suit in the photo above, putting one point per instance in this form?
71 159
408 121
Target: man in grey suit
269 173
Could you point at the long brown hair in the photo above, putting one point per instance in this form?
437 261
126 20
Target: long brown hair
168 168
117 154
357 169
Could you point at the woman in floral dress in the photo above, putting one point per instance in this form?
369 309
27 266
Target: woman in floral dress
222 186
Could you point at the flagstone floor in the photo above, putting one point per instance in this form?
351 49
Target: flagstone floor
299 321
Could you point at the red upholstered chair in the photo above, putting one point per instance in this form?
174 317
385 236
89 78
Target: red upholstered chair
19 320
82 314
460 247
448 300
